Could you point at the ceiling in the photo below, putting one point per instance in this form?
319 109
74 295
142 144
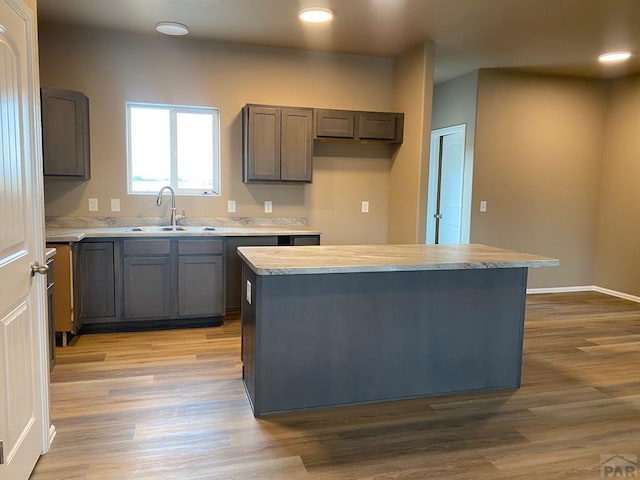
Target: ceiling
555 36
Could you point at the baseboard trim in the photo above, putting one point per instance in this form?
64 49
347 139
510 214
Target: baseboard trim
584 288
615 293
52 434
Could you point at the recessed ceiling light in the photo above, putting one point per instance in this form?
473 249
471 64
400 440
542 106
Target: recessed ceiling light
315 15
613 57
172 28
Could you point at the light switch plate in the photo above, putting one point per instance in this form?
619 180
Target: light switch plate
93 204
365 207
483 206
268 206
231 206
115 204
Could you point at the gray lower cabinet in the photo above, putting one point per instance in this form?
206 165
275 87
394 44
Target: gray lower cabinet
151 279
200 277
147 287
100 272
147 279
200 284
173 278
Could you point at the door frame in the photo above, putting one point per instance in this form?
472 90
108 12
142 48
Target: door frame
432 185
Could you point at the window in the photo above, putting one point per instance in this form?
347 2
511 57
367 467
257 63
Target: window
173 145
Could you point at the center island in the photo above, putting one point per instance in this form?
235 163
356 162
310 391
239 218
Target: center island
338 325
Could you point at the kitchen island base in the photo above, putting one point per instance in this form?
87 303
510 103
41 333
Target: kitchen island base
329 339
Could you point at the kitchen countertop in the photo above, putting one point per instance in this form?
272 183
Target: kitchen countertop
49 252
75 234
384 258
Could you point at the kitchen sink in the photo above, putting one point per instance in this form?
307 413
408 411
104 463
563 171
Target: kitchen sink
169 229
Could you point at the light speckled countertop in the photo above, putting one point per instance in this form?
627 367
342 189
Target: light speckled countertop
384 258
75 234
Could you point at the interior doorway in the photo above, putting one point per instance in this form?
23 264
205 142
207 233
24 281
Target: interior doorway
449 194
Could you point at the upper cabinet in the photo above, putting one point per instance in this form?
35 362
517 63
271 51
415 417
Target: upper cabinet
65 134
381 127
335 123
277 144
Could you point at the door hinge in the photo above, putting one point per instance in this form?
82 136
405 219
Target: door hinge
1 452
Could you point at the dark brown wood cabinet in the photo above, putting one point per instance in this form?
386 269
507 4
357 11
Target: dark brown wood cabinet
65 134
277 144
383 127
380 126
335 123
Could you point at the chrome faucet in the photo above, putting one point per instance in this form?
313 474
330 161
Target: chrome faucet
174 217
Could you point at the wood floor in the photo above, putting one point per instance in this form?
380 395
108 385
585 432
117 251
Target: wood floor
170 405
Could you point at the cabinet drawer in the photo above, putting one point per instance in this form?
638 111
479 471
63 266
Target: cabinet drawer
200 247
159 246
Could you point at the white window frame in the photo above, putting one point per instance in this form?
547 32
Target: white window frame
173 181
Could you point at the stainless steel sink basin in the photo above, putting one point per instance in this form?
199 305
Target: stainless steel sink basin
152 229
168 229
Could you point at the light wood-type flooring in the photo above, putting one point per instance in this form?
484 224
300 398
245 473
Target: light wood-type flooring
171 405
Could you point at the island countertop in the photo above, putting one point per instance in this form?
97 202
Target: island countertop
384 258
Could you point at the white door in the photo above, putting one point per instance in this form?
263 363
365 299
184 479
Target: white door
449 221
23 349
449 186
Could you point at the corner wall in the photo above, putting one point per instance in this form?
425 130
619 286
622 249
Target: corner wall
538 155
618 247
410 164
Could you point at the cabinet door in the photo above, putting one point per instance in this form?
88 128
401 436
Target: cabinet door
305 240
200 285
147 287
262 133
233 267
65 134
334 123
296 145
98 280
376 126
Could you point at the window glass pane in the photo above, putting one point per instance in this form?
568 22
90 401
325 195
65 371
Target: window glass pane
195 151
150 143
173 145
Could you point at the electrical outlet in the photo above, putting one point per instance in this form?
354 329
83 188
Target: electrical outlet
268 206
483 206
231 206
365 207
93 204
115 204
